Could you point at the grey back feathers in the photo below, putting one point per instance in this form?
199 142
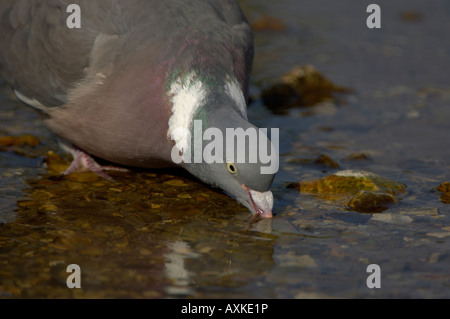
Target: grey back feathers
37 46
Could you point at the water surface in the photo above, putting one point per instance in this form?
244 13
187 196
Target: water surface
163 234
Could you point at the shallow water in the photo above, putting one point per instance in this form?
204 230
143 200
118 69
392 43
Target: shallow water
163 234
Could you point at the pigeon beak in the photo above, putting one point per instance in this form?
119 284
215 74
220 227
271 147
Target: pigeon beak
262 202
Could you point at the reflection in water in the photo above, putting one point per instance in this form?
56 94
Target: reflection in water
143 235
262 225
175 269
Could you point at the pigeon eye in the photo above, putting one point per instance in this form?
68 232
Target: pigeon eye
231 168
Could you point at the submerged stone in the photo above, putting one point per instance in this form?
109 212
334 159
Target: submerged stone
175 182
360 191
26 145
445 189
28 140
358 157
326 161
371 202
268 23
303 86
55 163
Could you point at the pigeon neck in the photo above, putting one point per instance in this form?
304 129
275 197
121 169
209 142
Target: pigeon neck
222 116
215 100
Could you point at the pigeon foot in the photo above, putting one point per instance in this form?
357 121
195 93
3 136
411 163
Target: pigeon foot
83 162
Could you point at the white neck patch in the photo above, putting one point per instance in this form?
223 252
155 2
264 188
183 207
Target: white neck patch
234 91
187 95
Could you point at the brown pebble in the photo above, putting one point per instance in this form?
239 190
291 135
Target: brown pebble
28 140
28 203
48 207
175 182
267 23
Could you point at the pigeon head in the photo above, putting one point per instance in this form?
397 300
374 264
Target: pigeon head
215 142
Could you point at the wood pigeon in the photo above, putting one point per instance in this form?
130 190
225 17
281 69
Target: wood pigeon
125 81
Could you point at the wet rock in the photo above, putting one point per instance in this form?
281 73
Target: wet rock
27 140
25 145
175 182
410 16
145 252
55 163
349 181
268 23
48 207
445 189
371 202
326 161
360 191
83 177
27 203
357 157
303 86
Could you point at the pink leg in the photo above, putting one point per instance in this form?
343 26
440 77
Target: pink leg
84 162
